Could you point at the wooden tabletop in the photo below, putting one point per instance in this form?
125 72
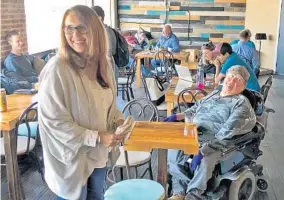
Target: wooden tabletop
170 95
151 54
16 104
146 136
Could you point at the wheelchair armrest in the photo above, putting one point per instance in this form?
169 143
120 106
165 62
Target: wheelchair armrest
257 132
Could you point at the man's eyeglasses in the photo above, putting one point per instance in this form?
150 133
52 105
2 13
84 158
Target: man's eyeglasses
71 29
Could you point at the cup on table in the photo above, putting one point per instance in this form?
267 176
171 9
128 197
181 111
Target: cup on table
209 81
188 124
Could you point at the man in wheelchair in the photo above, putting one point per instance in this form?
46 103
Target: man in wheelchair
221 116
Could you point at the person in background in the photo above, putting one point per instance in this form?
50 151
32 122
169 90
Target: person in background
221 115
77 109
136 44
246 52
228 59
167 41
21 65
210 53
112 43
250 43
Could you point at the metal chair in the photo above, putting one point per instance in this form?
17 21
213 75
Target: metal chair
27 134
140 110
124 83
165 69
266 87
187 98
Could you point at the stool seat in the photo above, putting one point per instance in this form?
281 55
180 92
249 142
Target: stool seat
23 129
135 189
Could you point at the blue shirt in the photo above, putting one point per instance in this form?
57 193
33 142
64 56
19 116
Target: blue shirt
250 43
22 65
171 42
234 59
247 53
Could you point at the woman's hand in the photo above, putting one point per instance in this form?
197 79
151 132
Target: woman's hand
109 140
119 122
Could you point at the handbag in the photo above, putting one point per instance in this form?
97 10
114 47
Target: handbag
156 90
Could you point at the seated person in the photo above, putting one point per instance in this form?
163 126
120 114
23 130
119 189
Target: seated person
135 44
167 41
228 59
209 55
221 115
16 62
246 52
250 43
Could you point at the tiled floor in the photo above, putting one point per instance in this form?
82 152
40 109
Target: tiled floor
272 147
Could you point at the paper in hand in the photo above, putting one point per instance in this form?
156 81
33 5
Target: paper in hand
125 128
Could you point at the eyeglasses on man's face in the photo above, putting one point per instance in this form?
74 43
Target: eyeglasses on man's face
71 29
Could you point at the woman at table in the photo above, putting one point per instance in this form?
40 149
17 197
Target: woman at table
77 108
209 58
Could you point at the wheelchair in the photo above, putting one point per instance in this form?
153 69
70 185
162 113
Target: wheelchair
238 176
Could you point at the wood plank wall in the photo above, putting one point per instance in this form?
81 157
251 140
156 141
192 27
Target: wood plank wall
216 20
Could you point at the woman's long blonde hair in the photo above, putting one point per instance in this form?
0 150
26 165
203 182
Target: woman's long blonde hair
96 52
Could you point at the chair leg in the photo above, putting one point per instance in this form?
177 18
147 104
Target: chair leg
122 91
131 92
121 173
136 172
127 94
150 170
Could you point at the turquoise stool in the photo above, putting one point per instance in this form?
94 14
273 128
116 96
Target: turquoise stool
135 189
23 129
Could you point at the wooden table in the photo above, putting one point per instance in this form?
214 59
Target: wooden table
171 97
146 136
16 103
151 54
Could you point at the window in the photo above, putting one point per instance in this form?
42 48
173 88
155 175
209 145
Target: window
106 6
43 19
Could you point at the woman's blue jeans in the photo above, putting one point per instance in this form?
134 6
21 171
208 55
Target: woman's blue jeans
95 186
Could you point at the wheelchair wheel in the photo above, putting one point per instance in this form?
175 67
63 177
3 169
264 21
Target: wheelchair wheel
243 188
261 184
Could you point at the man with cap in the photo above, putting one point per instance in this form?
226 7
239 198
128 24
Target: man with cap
228 59
220 115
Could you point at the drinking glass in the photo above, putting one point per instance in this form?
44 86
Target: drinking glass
188 124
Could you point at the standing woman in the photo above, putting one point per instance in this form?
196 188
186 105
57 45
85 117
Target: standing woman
77 109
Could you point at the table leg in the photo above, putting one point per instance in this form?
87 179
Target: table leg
147 62
170 107
13 176
138 73
162 168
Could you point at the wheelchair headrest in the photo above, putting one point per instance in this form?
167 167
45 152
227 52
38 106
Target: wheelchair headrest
251 97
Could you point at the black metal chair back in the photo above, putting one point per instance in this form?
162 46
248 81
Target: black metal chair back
141 109
29 115
166 67
187 98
